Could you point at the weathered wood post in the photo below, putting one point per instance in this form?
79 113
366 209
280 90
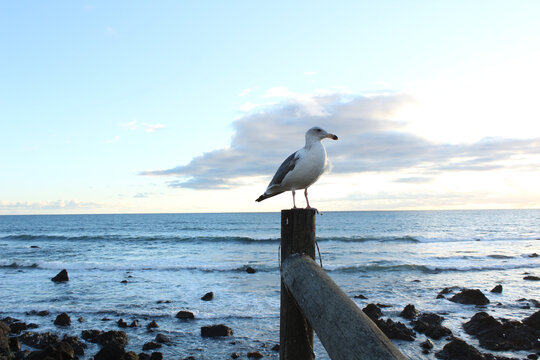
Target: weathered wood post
297 236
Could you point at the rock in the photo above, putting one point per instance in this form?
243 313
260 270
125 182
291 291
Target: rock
395 330
103 338
409 312
532 356
504 335
32 326
185 315
497 289
458 349
4 338
76 344
533 255
62 320
111 352
124 282
151 345
62 276
121 323
134 323
532 278
430 324
17 327
156 355
162 338
533 320
34 247
427 345
275 347
250 270
14 344
42 313
235 355
208 296
216 330
255 355
61 350
443 292
131 355
372 311
360 296
152 325
38 341
144 356
471 297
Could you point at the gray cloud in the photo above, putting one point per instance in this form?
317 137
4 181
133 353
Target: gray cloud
369 141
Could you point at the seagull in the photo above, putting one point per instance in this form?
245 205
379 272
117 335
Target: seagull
302 168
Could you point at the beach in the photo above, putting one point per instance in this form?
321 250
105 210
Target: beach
149 267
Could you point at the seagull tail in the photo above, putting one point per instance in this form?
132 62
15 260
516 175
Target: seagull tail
266 196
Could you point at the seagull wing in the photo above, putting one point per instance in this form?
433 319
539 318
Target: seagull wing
286 167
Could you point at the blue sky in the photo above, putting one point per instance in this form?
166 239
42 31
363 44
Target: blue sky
434 103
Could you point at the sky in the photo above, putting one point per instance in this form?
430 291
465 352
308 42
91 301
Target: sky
191 106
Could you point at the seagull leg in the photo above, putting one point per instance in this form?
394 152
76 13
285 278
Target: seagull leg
307 202
293 202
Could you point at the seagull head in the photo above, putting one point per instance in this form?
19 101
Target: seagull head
317 134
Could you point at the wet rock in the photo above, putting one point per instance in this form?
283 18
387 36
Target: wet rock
14 344
208 296
152 325
533 255
250 270
372 311
62 276
4 338
531 278
427 345
497 289
275 347
134 323
144 356
185 315
458 349
17 327
255 355
216 330
61 350
151 345
162 338
131 355
501 335
443 292
111 352
395 330
103 338
121 323
76 344
470 297
32 326
235 355
533 320
124 282
156 355
409 312
42 313
38 341
62 320
430 324
360 296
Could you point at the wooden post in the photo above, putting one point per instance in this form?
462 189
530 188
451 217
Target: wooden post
297 237
344 330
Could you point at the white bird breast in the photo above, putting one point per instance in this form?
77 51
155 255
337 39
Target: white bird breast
309 167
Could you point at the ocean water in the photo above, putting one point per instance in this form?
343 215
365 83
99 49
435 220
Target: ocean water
171 260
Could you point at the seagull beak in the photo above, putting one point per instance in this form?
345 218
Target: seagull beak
332 136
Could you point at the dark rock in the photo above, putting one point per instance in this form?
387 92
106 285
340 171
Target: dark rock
216 330
430 324
17 327
162 338
497 289
532 278
275 347
235 355
76 344
62 276
372 311
152 325
134 323
32 326
121 323
208 296
103 338
156 355
532 356
443 292
38 341
536 303
250 270
360 296
124 281
470 296
255 355
42 313
9 320
427 345
383 305
533 320
184 315
144 356
80 319
409 312
62 320
14 344
4 338
91 335
458 349
533 255
61 351
395 330
131 355
504 335
105 319
111 352
34 247
151 345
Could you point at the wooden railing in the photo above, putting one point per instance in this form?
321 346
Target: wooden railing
310 300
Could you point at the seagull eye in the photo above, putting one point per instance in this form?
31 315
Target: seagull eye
319 130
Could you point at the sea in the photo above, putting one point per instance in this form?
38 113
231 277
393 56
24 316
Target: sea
147 267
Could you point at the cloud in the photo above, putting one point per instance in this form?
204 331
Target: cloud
370 141
113 140
47 205
134 125
153 127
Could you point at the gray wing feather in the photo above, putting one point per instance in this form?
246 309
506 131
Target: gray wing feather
287 166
